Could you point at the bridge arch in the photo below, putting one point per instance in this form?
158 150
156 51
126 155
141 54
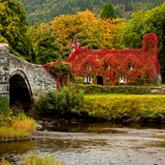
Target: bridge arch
20 90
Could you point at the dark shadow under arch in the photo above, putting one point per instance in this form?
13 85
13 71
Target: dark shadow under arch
20 97
100 80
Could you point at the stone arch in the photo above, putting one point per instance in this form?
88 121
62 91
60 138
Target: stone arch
23 75
20 91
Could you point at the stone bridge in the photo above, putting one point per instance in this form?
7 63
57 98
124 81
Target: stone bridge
22 80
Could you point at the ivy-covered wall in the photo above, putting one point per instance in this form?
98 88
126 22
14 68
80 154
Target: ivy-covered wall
60 70
113 64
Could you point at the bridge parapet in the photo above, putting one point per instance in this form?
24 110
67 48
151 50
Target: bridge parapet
36 78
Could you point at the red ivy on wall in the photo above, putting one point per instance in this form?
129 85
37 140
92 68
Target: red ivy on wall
60 70
145 63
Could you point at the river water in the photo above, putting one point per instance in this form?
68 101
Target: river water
135 146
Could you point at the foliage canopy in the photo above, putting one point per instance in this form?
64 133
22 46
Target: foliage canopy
146 22
108 12
13 28
46 43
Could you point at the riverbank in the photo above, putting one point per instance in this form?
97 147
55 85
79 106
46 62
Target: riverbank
116 108
137 146
16 127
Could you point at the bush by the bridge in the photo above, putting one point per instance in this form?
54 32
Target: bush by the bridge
66 100
4 106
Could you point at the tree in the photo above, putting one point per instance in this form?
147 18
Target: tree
146 22
13 28
108 12
102 33
46 43
88 40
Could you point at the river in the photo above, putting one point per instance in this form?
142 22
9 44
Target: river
135 146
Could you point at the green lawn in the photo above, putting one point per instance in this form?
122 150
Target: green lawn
116 106
123 96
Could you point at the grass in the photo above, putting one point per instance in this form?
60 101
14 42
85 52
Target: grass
123 96
117 106
19 126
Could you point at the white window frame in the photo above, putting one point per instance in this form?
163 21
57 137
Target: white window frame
122 79
107 66
88 79
85 80
89 67
131 67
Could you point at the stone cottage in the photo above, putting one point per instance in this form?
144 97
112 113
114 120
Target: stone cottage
117 67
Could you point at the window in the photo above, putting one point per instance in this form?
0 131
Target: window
131 67
88 80
89 67
107 67
122 80
85 79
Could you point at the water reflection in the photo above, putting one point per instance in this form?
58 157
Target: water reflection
76 152
14 150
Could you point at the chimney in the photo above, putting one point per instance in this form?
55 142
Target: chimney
75 44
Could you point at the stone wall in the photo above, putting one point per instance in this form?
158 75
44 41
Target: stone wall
4 70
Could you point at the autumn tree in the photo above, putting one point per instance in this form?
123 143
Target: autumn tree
94 33
13 28
46 43
108 12
146 22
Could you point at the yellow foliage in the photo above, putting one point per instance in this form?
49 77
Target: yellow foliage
4 162
25 125
106 31
16 128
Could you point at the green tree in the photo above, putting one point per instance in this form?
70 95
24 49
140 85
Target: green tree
146 22
46 43
88 40
13 28
108 12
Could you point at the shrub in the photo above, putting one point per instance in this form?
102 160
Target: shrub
4 162
19 126
66 100
35 160
93 89
79 80
38 160
4 106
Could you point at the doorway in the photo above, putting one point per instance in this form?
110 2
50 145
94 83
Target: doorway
99 80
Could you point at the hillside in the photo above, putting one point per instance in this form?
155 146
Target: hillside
39 11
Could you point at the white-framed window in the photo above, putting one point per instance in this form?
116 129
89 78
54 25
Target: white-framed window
85 79
88 79
89 67
107 66
131 67
122 79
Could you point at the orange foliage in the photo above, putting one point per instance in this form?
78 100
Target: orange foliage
105 30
